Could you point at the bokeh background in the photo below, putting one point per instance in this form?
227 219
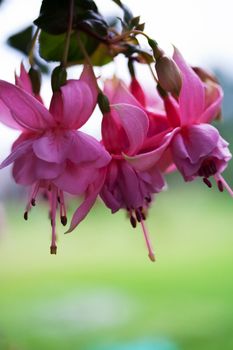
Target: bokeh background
101 292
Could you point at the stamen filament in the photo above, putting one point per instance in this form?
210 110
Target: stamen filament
224 183
148 243
53 246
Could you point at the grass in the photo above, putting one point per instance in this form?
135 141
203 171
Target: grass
101 288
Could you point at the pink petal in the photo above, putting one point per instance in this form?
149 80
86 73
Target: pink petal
197 141
89 78
23 80
27 112
90 198
19 151
78 104
7 118
214 99
135 123
75 179
86 149
147 160
117 92
24 169
191 99
137 92
53 146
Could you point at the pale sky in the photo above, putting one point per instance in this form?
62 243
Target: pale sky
201 29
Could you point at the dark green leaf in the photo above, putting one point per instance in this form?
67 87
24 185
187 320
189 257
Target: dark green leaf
52 47
128 15
21 40
53 17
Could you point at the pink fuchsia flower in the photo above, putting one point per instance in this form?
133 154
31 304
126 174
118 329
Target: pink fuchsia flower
50 154
197 147
131 181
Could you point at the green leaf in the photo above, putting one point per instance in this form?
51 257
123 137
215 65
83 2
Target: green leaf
54 16
101 56
52 47
21 40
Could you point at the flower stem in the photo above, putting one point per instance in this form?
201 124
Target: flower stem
33 43
68 33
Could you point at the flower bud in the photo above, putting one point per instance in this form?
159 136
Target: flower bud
169 75
58 78
35 77
205 75
103 103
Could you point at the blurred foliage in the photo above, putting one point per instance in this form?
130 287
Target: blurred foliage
101 289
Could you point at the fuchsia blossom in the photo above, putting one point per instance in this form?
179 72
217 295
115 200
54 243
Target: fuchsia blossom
197 148
131 180
50 154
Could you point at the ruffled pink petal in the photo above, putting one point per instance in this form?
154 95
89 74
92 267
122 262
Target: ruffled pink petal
110 193
86 149
27 112
146 161
135 123
195 142
213 104
53 146
191 99
47 170
117 92
24 169
19 151
78 104
128 182
75 178
90 198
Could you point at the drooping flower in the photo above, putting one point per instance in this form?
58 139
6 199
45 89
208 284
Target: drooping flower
50 154
131 180
197 147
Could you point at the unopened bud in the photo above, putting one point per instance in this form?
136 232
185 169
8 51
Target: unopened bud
103 103
58 78
204 75
169 75
35 77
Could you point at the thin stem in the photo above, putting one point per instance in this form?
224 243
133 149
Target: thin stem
84 51
152 73
33 43
68 33
148 243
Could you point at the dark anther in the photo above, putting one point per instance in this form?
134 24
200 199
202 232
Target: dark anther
51 221
64 220
207 182
133 221
53 250
33 202
148 199
220 186
25 215
143 216
207 168
58 199
138 215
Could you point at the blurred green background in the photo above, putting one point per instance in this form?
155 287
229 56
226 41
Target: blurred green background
101 291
